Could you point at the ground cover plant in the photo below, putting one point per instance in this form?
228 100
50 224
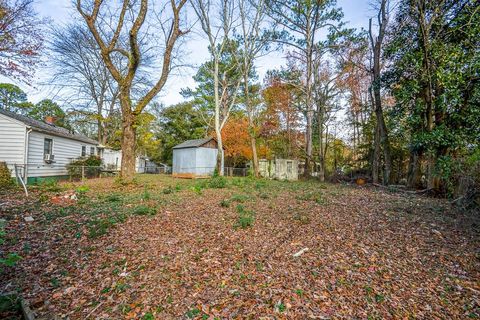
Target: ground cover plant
166 248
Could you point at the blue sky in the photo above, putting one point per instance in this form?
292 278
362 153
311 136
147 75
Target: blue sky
356 13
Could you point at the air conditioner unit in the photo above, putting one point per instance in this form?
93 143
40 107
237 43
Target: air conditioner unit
49 158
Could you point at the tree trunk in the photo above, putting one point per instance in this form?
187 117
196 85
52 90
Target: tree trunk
376 156
251 127
415 170
127 172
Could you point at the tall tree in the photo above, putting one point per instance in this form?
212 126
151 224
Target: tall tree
178 123
48 108
254 42
218 20
131 18
381 133
14 99
434 78
21 39
83 79
303 21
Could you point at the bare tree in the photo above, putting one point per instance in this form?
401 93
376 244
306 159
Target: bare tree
254 43
129 20
82 77
327 88
21 39
381 133
218 20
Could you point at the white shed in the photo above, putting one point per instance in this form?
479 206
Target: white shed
195 158
42 148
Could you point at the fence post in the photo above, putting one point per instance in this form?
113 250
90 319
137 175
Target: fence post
83 173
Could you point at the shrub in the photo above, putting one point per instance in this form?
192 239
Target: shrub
6 180
50 185
91 166
217 182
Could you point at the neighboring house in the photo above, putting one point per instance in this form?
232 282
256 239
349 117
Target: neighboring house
42 148
195 158
280 169
112 160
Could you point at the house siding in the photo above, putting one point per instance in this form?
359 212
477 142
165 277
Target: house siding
194 161
64 150
206 159
12 142
184 160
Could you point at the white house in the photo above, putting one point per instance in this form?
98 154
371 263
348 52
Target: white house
112 160
195 158
42 148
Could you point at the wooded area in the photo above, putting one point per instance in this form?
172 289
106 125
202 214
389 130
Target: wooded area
381 120
396 102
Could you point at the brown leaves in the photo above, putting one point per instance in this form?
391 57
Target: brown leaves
370 254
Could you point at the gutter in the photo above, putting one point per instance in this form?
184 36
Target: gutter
25 156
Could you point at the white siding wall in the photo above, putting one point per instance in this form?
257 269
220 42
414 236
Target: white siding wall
12 142
206 161
184 160
112 158
64 150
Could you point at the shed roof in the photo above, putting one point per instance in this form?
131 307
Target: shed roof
47 128
193 143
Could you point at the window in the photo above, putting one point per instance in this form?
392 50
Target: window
47 147
84 151
289 167
92 151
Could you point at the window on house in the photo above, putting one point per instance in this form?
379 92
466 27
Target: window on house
47 147
289 167
92 151
84 151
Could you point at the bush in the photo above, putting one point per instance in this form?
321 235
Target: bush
217 182
92 166
6 180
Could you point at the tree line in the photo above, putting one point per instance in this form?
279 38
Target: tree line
395 102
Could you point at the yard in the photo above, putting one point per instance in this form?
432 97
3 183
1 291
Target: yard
239 248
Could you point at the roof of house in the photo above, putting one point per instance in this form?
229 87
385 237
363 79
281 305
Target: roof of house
193 143
47 128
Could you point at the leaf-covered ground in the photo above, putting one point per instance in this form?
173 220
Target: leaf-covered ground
174 249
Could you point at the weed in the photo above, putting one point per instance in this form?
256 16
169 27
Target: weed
10 260
245 218
105 290
225 203
55 282
280 307
146 195
192 313
113 197
49 185
144 211
168 190
217 182
239 198
299 292
82 190
197 188
263 195
148 316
